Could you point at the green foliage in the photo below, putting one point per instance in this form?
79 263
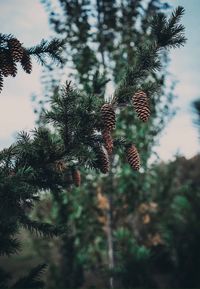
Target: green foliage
48 50
32 280
169 33
178 221
130 258
196 106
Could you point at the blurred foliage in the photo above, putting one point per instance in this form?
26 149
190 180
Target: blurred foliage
196 107
178 198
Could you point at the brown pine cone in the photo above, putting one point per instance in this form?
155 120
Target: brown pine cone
60 166
12 69
141 105
76 176
108 141
103 162
7 66
16 49
26 62
108 116
133 157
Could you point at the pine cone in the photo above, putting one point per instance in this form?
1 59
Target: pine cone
60 166
12 69
7 66
141 105
108 116
26 62
103 162
1 82
133 157
16 49
76 176
108 141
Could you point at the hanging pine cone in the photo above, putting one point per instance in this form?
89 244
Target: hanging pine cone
108 116
102 162
1 82
16 49
12 68
7 66
60 166
141 105
76 176
133 157
3 62
26 62
9 69
108 141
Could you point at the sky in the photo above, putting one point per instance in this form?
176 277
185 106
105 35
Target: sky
29 23
181 136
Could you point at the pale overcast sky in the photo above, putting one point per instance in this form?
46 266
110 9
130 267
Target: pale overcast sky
27 20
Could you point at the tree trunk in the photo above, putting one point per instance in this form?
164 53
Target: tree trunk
110 241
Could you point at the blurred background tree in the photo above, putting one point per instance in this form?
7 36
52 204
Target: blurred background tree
196 107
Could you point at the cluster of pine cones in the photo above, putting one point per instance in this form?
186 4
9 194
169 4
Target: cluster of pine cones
141 106
9 56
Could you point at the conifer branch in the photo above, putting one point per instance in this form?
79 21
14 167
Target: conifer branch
39 228
9 246
12 51
32 280
169 33
48 49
